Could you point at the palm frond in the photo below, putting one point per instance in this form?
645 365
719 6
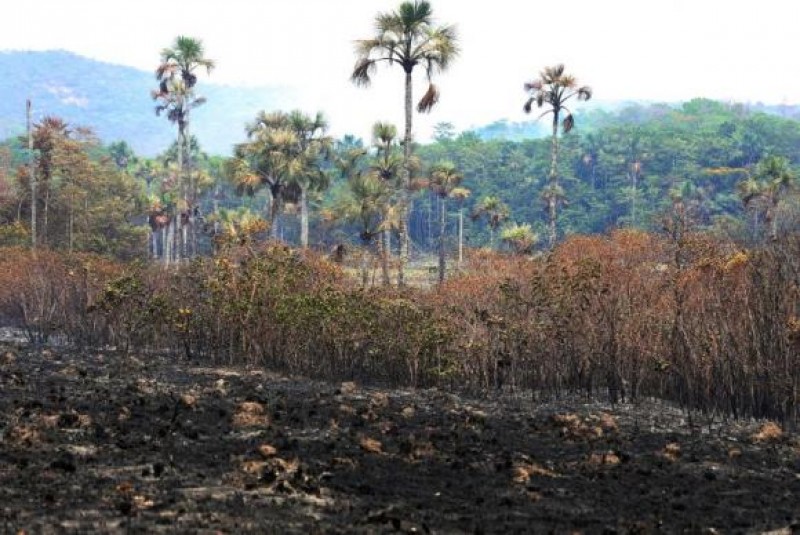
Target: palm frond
528 105
568 123
362 71
429 99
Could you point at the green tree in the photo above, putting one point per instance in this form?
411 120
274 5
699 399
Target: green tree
552 90
408 38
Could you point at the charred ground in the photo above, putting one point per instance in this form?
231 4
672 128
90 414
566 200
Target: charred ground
104 442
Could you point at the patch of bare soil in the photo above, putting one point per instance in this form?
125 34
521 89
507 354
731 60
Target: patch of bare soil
100 442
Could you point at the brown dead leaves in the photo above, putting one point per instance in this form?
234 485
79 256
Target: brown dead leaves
250 414
522 472
671 451
267 450
371 445
23 435
603 459
769 432
590 427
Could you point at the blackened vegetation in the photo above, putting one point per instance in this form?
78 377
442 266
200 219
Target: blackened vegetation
104 442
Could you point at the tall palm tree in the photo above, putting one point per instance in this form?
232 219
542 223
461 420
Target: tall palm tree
494 210
444 178
552 90
176 75
407 37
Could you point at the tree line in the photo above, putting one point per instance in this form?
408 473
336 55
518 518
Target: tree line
389 194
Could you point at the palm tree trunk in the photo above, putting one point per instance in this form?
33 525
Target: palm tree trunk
154 243
71 221
164 250
553 180
303 217
442 226
178 229
404 203
364 267
32 171
386 251
166 242
46 214
273 212
460 237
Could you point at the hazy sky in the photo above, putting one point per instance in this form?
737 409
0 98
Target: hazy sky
664 50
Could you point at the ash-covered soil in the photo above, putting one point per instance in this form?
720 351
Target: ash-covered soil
101 442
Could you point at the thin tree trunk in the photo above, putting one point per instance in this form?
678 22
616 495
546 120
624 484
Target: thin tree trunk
193 194
365 254
460 237
635 194
46 214
553 180
32 171
169 237
274 207
386 251
164 250
404 203
154 243
71 222
303 217
442 227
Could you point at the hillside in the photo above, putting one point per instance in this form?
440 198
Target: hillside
115 101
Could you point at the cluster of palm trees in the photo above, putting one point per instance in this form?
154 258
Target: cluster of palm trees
285 153
176 98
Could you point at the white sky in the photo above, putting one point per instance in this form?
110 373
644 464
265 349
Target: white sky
664 50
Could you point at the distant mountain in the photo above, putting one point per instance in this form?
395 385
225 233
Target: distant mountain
115 101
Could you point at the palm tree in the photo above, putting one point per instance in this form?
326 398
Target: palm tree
764 191
553 89
314 145
386 166
176 75
521 238
364 203
407 37
444 178
283 153
494 210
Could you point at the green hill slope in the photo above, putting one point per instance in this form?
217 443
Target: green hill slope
115 101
